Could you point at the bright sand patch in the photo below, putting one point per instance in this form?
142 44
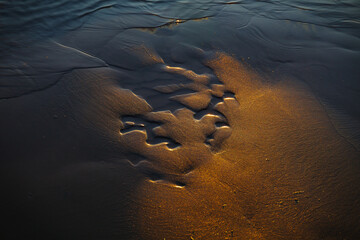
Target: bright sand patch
282 173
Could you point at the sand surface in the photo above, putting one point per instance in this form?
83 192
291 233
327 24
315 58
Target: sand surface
180 120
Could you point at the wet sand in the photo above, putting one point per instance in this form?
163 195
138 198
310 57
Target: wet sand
146 126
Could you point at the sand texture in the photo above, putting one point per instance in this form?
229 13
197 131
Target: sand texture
153 120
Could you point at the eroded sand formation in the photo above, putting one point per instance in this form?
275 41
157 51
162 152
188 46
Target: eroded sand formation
243 158
275 173
271 172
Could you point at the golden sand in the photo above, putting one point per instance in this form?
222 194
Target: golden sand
278 171
274 167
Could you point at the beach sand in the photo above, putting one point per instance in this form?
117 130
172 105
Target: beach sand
142 132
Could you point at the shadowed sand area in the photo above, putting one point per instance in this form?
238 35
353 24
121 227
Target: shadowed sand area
143 120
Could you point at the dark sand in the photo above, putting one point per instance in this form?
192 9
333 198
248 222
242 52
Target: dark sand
147 120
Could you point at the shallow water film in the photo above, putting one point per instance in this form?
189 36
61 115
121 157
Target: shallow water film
183 119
